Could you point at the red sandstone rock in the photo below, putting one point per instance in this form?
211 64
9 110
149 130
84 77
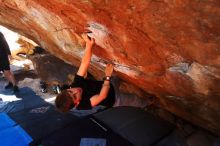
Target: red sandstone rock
167 48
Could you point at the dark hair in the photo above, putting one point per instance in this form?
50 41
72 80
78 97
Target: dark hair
64 101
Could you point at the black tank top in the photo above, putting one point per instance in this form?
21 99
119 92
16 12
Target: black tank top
90 88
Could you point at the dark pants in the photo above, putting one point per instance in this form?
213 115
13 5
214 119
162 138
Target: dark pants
4 64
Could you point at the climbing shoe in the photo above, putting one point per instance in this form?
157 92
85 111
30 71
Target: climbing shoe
43 87
10 85
15 88
56 89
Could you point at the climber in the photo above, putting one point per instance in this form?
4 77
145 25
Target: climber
86 93
5 54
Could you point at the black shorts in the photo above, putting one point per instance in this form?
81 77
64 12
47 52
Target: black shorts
4 64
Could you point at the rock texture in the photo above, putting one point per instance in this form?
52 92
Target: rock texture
169 48
52 70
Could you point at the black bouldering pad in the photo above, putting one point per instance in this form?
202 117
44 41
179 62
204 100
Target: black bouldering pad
41 121
136 125
86 131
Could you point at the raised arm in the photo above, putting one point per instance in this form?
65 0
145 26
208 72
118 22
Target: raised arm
96 99
87 56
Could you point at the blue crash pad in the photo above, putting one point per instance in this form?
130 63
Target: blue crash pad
12 134
5 121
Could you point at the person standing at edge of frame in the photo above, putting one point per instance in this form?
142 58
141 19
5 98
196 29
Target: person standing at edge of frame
5 54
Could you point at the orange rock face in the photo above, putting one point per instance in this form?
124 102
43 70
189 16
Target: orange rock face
169 48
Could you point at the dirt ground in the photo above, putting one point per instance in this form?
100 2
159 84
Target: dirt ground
25 78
